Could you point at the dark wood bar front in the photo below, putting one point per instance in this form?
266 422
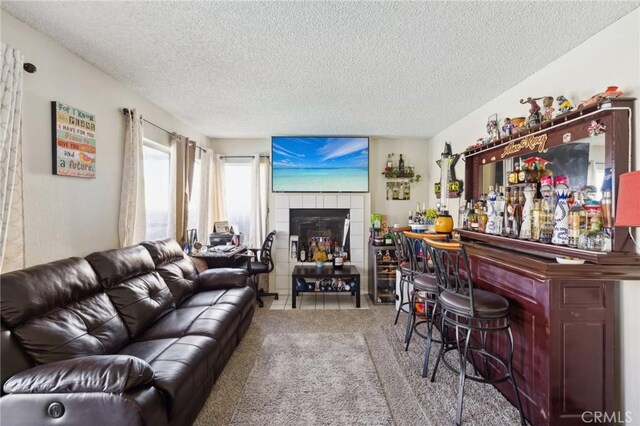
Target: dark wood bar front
563 319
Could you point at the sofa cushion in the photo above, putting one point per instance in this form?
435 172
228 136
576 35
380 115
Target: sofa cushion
243 298
34 291
137 291
58 311
174 266
217 322
182 366
88 327
101 373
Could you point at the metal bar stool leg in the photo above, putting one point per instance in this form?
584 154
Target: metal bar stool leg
402 282
512 377
430 320
443 337
463 374
411 321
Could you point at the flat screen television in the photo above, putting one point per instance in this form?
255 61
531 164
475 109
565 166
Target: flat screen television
320 164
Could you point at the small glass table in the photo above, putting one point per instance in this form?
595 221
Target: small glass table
311 279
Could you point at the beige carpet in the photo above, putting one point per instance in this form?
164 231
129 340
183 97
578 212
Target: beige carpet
411 400
297 376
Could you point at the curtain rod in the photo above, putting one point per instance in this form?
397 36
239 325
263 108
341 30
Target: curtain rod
126 111
242 156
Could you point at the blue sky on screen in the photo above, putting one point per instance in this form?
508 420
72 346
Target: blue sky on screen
309 152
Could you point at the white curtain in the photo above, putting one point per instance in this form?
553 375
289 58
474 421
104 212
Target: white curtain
219 199
132 219
259 197
11 208
205 217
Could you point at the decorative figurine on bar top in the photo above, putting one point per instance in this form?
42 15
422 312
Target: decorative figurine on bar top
493 129
611 92
535 116
525 228
596 128
564 104
561 215
547 103
507 126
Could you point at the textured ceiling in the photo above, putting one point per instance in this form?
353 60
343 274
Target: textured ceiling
253 69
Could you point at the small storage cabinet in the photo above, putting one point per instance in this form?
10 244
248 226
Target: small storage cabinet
383 263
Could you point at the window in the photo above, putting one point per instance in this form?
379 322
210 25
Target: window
194 202
157 169
238 195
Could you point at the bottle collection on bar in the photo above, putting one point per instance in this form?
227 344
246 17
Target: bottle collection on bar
532 208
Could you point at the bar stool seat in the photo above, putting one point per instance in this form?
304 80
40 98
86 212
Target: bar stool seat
486 304
426 282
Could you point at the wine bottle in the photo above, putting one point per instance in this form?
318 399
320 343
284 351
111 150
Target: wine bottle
401 165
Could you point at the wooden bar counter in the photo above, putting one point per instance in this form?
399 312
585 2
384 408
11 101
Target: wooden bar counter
563 322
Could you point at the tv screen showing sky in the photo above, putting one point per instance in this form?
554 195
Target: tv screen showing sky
320 164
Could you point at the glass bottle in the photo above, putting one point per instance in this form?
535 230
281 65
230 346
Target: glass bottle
535 220
472 220
508 212
463 211
577 220
492 211
525 229
500 211
401 165
522 174
560 216
546 214
516 218
605 208
389 166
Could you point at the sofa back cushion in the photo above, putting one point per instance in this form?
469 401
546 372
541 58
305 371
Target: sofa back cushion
138 292
174 266
59 311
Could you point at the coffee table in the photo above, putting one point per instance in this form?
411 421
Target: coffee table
310 273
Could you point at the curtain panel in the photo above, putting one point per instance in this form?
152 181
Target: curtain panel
219 199
259 198
205 217
184 152
11 206
132 218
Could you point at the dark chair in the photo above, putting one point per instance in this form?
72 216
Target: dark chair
423 291
464 310
403 267
259 261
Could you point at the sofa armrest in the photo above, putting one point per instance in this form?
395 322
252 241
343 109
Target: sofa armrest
221 278
96 373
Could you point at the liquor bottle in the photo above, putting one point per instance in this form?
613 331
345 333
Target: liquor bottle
313 248
536 213
525 229
303 254
500 211
517 214
410 220
508 212
463 211
605 208
512 177
522 174
492 211
560 216
577 220
401 166
546 216
472 221
389 166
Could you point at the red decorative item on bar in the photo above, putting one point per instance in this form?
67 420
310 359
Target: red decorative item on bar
628 213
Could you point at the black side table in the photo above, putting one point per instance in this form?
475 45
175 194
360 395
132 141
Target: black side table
346 273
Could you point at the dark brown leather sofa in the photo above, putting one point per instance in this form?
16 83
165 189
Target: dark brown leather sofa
130 336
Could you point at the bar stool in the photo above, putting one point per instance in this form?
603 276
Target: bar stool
425 291
403 266
467 310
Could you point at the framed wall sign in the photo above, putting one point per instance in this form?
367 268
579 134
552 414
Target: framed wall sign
73 141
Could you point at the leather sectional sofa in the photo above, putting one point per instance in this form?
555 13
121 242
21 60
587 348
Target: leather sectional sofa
131 336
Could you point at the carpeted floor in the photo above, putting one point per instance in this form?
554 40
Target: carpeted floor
238 397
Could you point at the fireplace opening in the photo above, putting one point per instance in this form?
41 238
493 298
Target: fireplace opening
327 225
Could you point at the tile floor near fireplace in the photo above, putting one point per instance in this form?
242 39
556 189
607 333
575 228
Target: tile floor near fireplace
320 301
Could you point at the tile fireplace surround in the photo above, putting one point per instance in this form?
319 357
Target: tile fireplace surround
283 202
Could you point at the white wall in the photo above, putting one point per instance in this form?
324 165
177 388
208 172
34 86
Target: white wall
66 216
415 153
611 57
